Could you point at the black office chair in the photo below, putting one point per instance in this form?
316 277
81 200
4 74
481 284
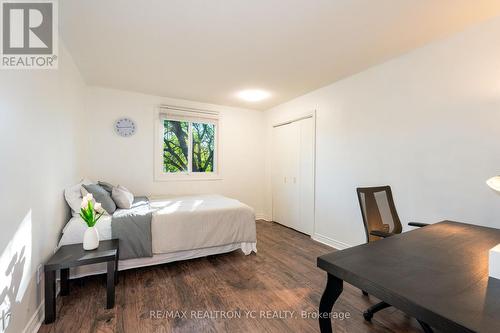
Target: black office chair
381 221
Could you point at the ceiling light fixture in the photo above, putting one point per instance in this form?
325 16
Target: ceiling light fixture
253 95
494 183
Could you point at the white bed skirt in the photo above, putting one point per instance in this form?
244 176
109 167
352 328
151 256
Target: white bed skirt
157 259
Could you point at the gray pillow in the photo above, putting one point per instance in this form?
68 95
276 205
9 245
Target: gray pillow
102 196
107 186
122 197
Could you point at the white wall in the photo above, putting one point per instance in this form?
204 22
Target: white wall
40 114
129 161
427 123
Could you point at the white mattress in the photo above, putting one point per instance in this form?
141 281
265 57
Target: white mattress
182 228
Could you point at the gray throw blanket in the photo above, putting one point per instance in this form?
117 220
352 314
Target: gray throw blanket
133 228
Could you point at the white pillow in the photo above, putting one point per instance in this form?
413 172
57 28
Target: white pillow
73 196
75 228
122 197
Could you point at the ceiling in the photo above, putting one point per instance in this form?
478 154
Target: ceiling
209 50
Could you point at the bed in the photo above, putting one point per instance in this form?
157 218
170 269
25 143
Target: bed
182 228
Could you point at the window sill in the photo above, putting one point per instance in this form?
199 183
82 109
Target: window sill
186 178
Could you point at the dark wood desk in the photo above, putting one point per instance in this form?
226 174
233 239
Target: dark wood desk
74 255
437 274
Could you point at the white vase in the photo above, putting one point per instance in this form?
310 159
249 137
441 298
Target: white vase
91 239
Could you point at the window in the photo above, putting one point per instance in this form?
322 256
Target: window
187 147
175 146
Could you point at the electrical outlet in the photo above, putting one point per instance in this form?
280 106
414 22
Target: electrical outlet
39 271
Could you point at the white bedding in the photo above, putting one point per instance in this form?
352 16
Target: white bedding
193 222
183 228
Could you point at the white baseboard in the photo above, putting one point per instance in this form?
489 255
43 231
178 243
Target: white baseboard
36 320
38 317
264 217
330 242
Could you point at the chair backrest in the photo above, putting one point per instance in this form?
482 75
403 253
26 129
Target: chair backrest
378 211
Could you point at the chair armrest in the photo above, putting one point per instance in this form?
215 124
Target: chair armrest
380 233
417 224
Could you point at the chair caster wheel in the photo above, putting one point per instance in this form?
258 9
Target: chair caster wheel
368 315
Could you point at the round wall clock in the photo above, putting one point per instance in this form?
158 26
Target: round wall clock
125 127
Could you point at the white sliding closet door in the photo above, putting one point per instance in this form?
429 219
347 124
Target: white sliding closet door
285 189
293 175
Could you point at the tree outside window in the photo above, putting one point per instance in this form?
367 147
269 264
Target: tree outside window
188 147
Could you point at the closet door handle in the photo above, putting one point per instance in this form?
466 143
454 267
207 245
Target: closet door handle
284 178
295 180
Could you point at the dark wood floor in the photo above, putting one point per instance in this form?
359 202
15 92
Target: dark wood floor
281 277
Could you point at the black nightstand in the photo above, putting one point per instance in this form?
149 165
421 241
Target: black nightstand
72 256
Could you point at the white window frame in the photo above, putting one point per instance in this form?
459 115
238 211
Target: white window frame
191 116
